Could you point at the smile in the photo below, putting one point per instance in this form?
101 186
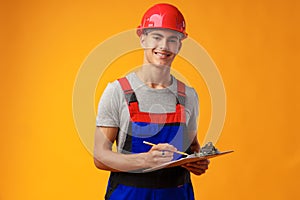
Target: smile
162 54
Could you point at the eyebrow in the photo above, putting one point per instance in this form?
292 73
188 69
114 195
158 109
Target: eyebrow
157 34
160 35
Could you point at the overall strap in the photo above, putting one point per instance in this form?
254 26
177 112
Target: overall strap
131 97
181 92
128 91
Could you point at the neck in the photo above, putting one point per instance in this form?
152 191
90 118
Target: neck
155 77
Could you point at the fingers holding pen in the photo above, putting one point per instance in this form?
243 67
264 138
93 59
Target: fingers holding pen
163 150
160 154
164 147
161 146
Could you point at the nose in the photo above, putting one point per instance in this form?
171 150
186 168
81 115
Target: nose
163 45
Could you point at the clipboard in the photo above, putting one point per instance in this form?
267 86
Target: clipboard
188 159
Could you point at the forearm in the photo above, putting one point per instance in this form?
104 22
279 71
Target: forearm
106 159
113 161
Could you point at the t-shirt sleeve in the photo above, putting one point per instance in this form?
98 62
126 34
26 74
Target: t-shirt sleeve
108 107
194 111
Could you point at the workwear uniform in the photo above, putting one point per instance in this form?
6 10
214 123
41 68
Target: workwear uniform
171 183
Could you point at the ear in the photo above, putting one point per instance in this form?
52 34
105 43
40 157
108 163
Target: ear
142 40
180 45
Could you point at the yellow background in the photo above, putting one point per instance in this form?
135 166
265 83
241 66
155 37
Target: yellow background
255 44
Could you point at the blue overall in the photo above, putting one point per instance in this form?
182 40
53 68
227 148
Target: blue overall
169 183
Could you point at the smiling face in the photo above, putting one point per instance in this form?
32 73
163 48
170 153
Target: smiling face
161 46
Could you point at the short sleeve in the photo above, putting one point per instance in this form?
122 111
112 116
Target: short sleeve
108 107
193 102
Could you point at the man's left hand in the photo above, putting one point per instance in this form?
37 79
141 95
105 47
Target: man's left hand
198 167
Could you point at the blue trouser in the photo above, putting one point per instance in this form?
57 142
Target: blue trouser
123 192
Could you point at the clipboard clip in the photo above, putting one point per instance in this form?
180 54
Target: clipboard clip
208 149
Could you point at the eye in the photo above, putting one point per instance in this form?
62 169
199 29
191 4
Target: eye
172 40
156 38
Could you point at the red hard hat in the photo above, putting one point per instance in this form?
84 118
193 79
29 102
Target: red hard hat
163 16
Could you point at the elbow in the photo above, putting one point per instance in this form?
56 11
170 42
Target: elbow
99 161
99 164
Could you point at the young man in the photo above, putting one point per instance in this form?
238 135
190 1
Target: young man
150 105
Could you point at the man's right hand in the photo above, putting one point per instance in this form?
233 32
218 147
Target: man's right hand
159 154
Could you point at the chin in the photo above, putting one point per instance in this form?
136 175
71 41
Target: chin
162 65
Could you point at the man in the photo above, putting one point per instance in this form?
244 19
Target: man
150 105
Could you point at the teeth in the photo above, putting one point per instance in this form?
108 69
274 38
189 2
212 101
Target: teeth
162 54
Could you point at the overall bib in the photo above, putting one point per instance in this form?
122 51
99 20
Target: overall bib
170 183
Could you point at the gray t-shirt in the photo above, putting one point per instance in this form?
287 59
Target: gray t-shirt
113 109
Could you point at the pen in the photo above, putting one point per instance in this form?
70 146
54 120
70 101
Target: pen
179 152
